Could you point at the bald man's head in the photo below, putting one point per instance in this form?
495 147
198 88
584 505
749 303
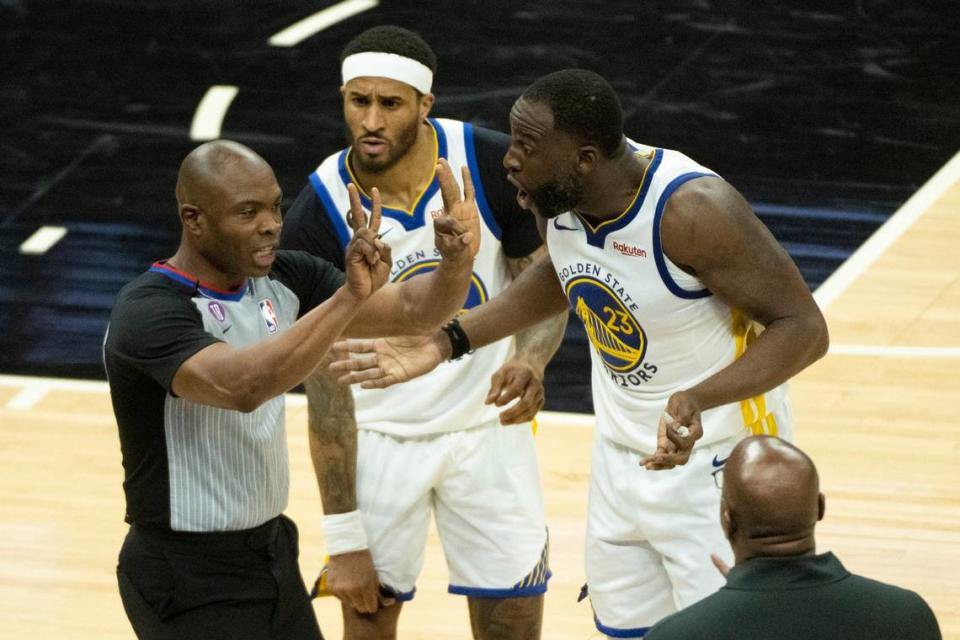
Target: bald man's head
206 169
229 205
771 499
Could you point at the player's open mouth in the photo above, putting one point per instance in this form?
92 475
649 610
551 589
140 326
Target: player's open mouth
523 198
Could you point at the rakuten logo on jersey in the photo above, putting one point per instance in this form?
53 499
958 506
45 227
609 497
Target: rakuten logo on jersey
627 250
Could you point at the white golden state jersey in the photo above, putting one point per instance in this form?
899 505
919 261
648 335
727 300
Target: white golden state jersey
450 398
654 328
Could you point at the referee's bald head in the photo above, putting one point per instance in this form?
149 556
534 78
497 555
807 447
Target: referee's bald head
205 169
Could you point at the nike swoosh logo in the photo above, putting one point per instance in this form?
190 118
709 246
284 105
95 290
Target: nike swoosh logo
228 329
717 462
557 225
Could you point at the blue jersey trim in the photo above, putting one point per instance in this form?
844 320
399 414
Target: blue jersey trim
597 237
441 138
196 285
343 233
420 210
409 220
482 203
399 596
636 632
658 256
533 590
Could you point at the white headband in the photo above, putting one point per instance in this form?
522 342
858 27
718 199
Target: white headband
388 65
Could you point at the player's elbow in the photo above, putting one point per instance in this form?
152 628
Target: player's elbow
247 404
816 334
247 393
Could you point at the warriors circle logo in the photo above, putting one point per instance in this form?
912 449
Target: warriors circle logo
613 331
476 295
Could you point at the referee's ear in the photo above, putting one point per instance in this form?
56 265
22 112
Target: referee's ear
190 218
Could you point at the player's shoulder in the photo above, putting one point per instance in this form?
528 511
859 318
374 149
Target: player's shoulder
485 138
688 184
479 136
329 167
668 164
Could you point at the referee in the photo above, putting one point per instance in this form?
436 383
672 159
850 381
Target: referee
199 352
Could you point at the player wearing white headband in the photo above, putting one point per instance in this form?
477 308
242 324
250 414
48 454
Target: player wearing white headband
434 445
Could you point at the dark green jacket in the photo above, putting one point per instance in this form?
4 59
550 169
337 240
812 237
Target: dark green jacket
801 598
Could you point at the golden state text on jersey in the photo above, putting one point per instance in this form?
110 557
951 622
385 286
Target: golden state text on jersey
607 312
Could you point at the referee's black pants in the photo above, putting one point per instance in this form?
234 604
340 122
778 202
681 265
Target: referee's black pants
237 585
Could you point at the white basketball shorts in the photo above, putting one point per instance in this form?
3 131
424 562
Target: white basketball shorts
650 533
482 484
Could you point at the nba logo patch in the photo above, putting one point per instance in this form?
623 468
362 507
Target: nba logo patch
269 316
217 310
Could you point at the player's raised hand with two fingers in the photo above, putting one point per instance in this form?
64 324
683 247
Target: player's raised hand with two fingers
457 231
368 259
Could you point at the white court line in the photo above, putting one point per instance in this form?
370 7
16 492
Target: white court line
30 383
208 118
28 398
303 29
876 351
42 239
59 384
566 419
888 233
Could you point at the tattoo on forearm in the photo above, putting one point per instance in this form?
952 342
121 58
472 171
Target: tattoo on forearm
333 441
516 265
540 341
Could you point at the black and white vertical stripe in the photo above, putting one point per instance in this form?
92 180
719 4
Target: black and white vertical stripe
228 469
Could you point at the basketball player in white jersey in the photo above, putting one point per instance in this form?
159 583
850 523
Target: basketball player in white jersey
697 318
433 445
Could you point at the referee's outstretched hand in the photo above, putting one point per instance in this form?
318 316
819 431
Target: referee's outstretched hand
368 258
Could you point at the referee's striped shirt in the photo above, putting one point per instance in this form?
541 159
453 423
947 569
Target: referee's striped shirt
189 466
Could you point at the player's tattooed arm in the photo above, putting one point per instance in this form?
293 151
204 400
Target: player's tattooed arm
350 576
333 440
538 343
522 375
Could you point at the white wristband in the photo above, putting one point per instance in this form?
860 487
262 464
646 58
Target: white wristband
344 533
